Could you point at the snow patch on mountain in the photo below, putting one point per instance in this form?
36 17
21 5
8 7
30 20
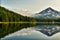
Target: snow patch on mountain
48 13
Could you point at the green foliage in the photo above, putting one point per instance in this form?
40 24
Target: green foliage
10 16
11 22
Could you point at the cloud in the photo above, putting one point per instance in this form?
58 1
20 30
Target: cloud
10 8
24 12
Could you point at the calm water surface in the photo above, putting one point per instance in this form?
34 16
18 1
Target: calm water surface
39 32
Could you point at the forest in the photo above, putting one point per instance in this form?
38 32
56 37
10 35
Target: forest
11 21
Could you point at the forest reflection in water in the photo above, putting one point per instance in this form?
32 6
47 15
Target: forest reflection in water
47 29
7 28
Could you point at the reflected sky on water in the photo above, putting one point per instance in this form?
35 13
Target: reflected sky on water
34 33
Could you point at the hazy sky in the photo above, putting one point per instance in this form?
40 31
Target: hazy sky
33 5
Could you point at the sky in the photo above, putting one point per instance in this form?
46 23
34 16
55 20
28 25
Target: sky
31 5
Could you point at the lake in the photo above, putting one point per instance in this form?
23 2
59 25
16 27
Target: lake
36 32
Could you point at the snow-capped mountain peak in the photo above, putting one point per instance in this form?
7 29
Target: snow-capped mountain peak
48 13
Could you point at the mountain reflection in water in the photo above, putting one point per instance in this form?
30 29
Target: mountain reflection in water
39 32
49 30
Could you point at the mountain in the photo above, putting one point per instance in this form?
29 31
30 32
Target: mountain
11 21
48 13
10 16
